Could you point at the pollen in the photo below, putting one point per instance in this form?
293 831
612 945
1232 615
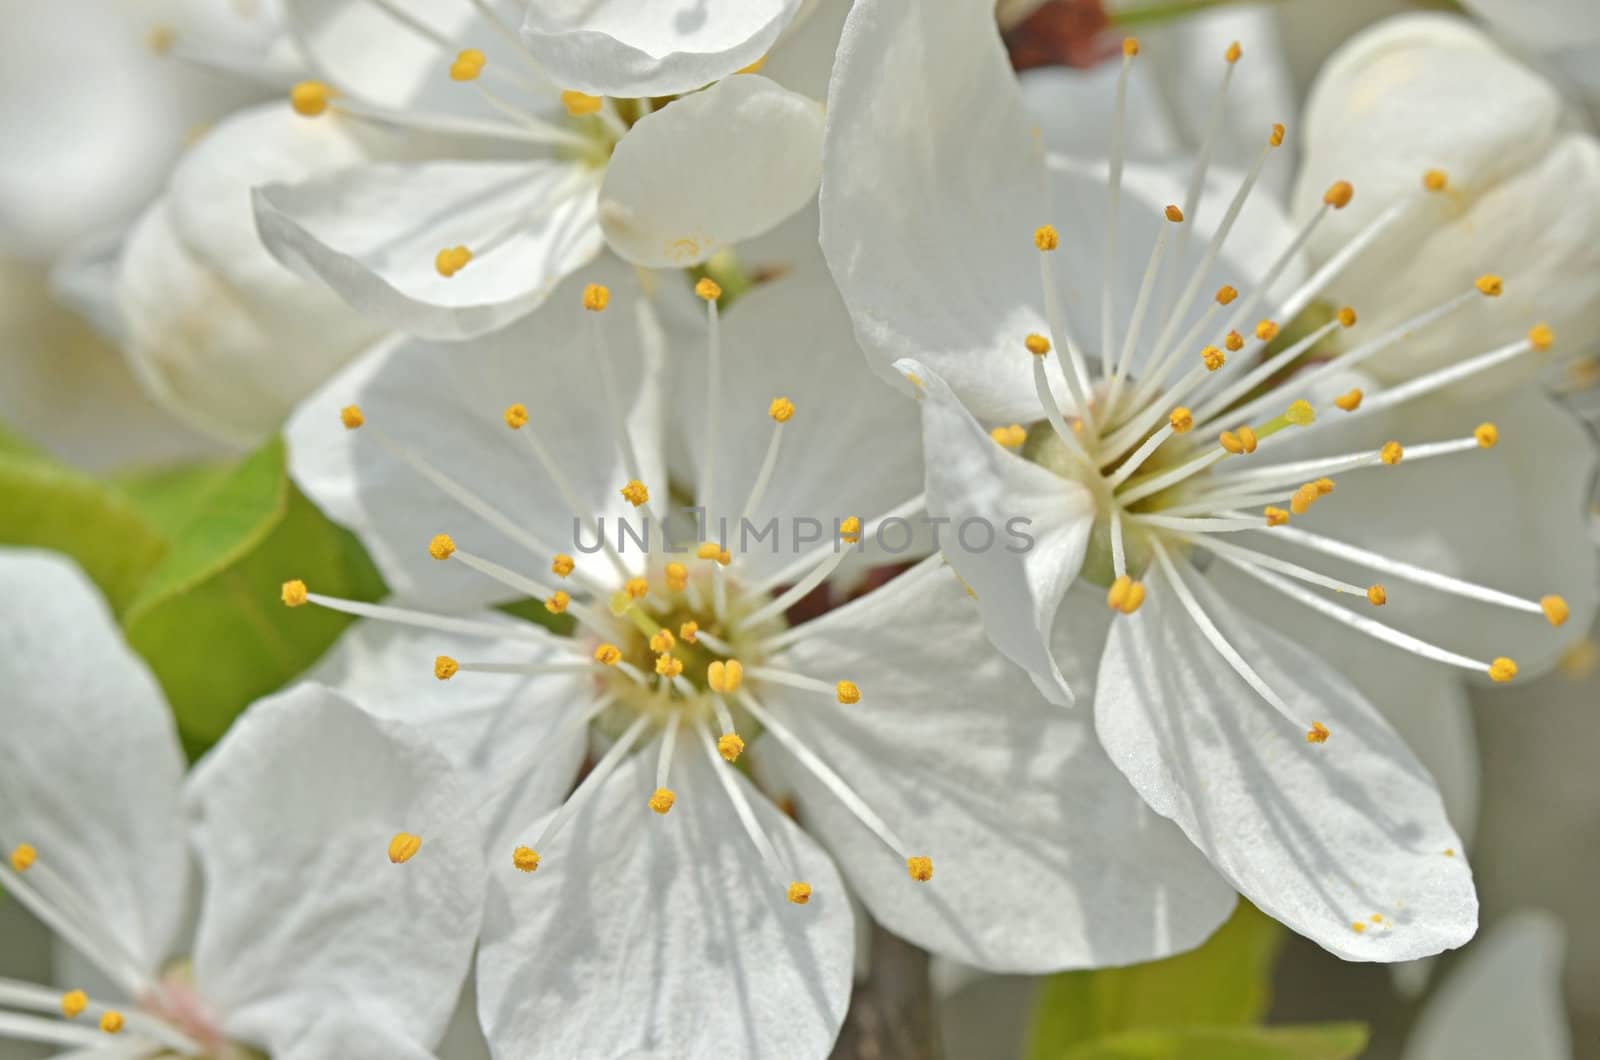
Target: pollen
1487 435
1276 138
562 565
661 801
1180 420
781 409
73 1002
1324 486
1540 337
1377 596
1489 284
1045 237
451 260
1300 413
310 98
663 640
441 547
920 869
596 297
468 65
725 677
23 856
1318 733
635 493
730 746
1010 437
1130 46
1234 341
1226 294
1555 609
1347 317
351 417
526 859
1391 453
293 593
1435 180
850 530
1349 402
516 416
1037 345
1358 927
1303 498
1233 53
677 577
689 632
607 654
557 602
847 692
111 1021
1339 194
1266 331
1275 516
403 847
799 893
1213 358
1125 595
1174 214
1238 441
1502 670
707 289
668 665
580 104
444 667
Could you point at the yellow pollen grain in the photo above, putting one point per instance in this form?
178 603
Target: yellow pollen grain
557 602
668 665
1233 53
1555 609
562 565
23 856
781 409
1275 516
1226 294
1174 214
1300 413
1045 237
1391 453
1358 927
677 577
689 632
73 1002
526 859
580 104
1130 46
596 297
1318 733
662 799
1213 358
451 260
1347 317
663 640
730 746
1276 137
1180 419
1010 437
1435 180
1540 337
441 547
850 529
1487 435
1037 345
516 416
351 417
1266 330
1502 670
1349 402
799 893
607 654
1489 284
920 869
1377 596
1339 194
310 98
725 677
111 1021
293 593
403 847
847 692
468 65
444 667
635 493
1234 341
707 289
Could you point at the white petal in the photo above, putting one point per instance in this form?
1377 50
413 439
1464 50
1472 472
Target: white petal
1320 836
372 233
1503 999
711 169
1016 532
643 48
294 811
1075 110
362 50
1541 24
350 1031
665 936
425 398
92 764
802 59
1043 857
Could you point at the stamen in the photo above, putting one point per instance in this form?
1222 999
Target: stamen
1074 368
556 601
1119 559
1243 555
1208 141
709 292
797 567
1179 422
725 677
781 410
1341 259
664 797
1141 305
795 593
798 892
516 418
596 297
403 847
1125 595
23 855
48 1032
1256 376
1454 373
1130 48
1052 411
589 785
310 98
425 619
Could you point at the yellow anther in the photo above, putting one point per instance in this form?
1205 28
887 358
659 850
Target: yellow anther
1318 733
1238 441
516 416
1489 284
403 847
1130 46
580 104
1275 138
1213 358
1226 294
799 893
596 297
689 632
441 547
1303 498
310 98
1487 435
1376 918
677 577
635 492
1275 516
847 692
850 529
23 856
1347 317
444 667
293 593
111 1021
1324 486
725 677
557 602
1037 345
1435 180
662 640
1125 595
1540 337
636 588
661 801
1349 402
1555 609
668 665
1174 214
753 68
73 1002
1358 927
730 746
451 260
1180 419
1391 453
525 859
781 409
607 654
920 869
562 565
1233 53
1045 237
1010 437
1266 331
1449 852
468 65
1339 194
1502 670
1377 596
1234 341
1300 413
708 289
351 417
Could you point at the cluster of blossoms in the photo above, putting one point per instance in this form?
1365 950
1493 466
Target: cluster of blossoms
1264 533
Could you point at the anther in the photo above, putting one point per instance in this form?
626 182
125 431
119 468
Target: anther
1435 180
781 409
557 602
847 692
1233 53
310 98
799 893
730 746
1266 331
1276 139
526 859
1376 596
596 297
1347 317
635 493
1180 420
1045 237
689 632
1339 194
1300 413
707 289
1234 341
1303 498
1237 442
1174 214
850 529
668 665
1391 453
1358 927
1130 46
562 565
451 260
1226 294
1555 609
1349 402
403 847
351 417
920 869
725 677
1318 733
1037 345
1010 437
1540 337
441 547
661 801
468 65
111 1021
1125 595
293 593
1324 486
1502 670
1275 516
516 416
1487 435
1489 284
23 856
444 667
662 640
73 1002
677 577
607 654
1213 358
580 104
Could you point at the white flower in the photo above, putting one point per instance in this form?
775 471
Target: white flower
1274 763
967 813
526 172
306 935
1429 92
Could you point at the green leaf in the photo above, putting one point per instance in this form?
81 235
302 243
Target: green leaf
210 621
171 497
1223 983
1328 1041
